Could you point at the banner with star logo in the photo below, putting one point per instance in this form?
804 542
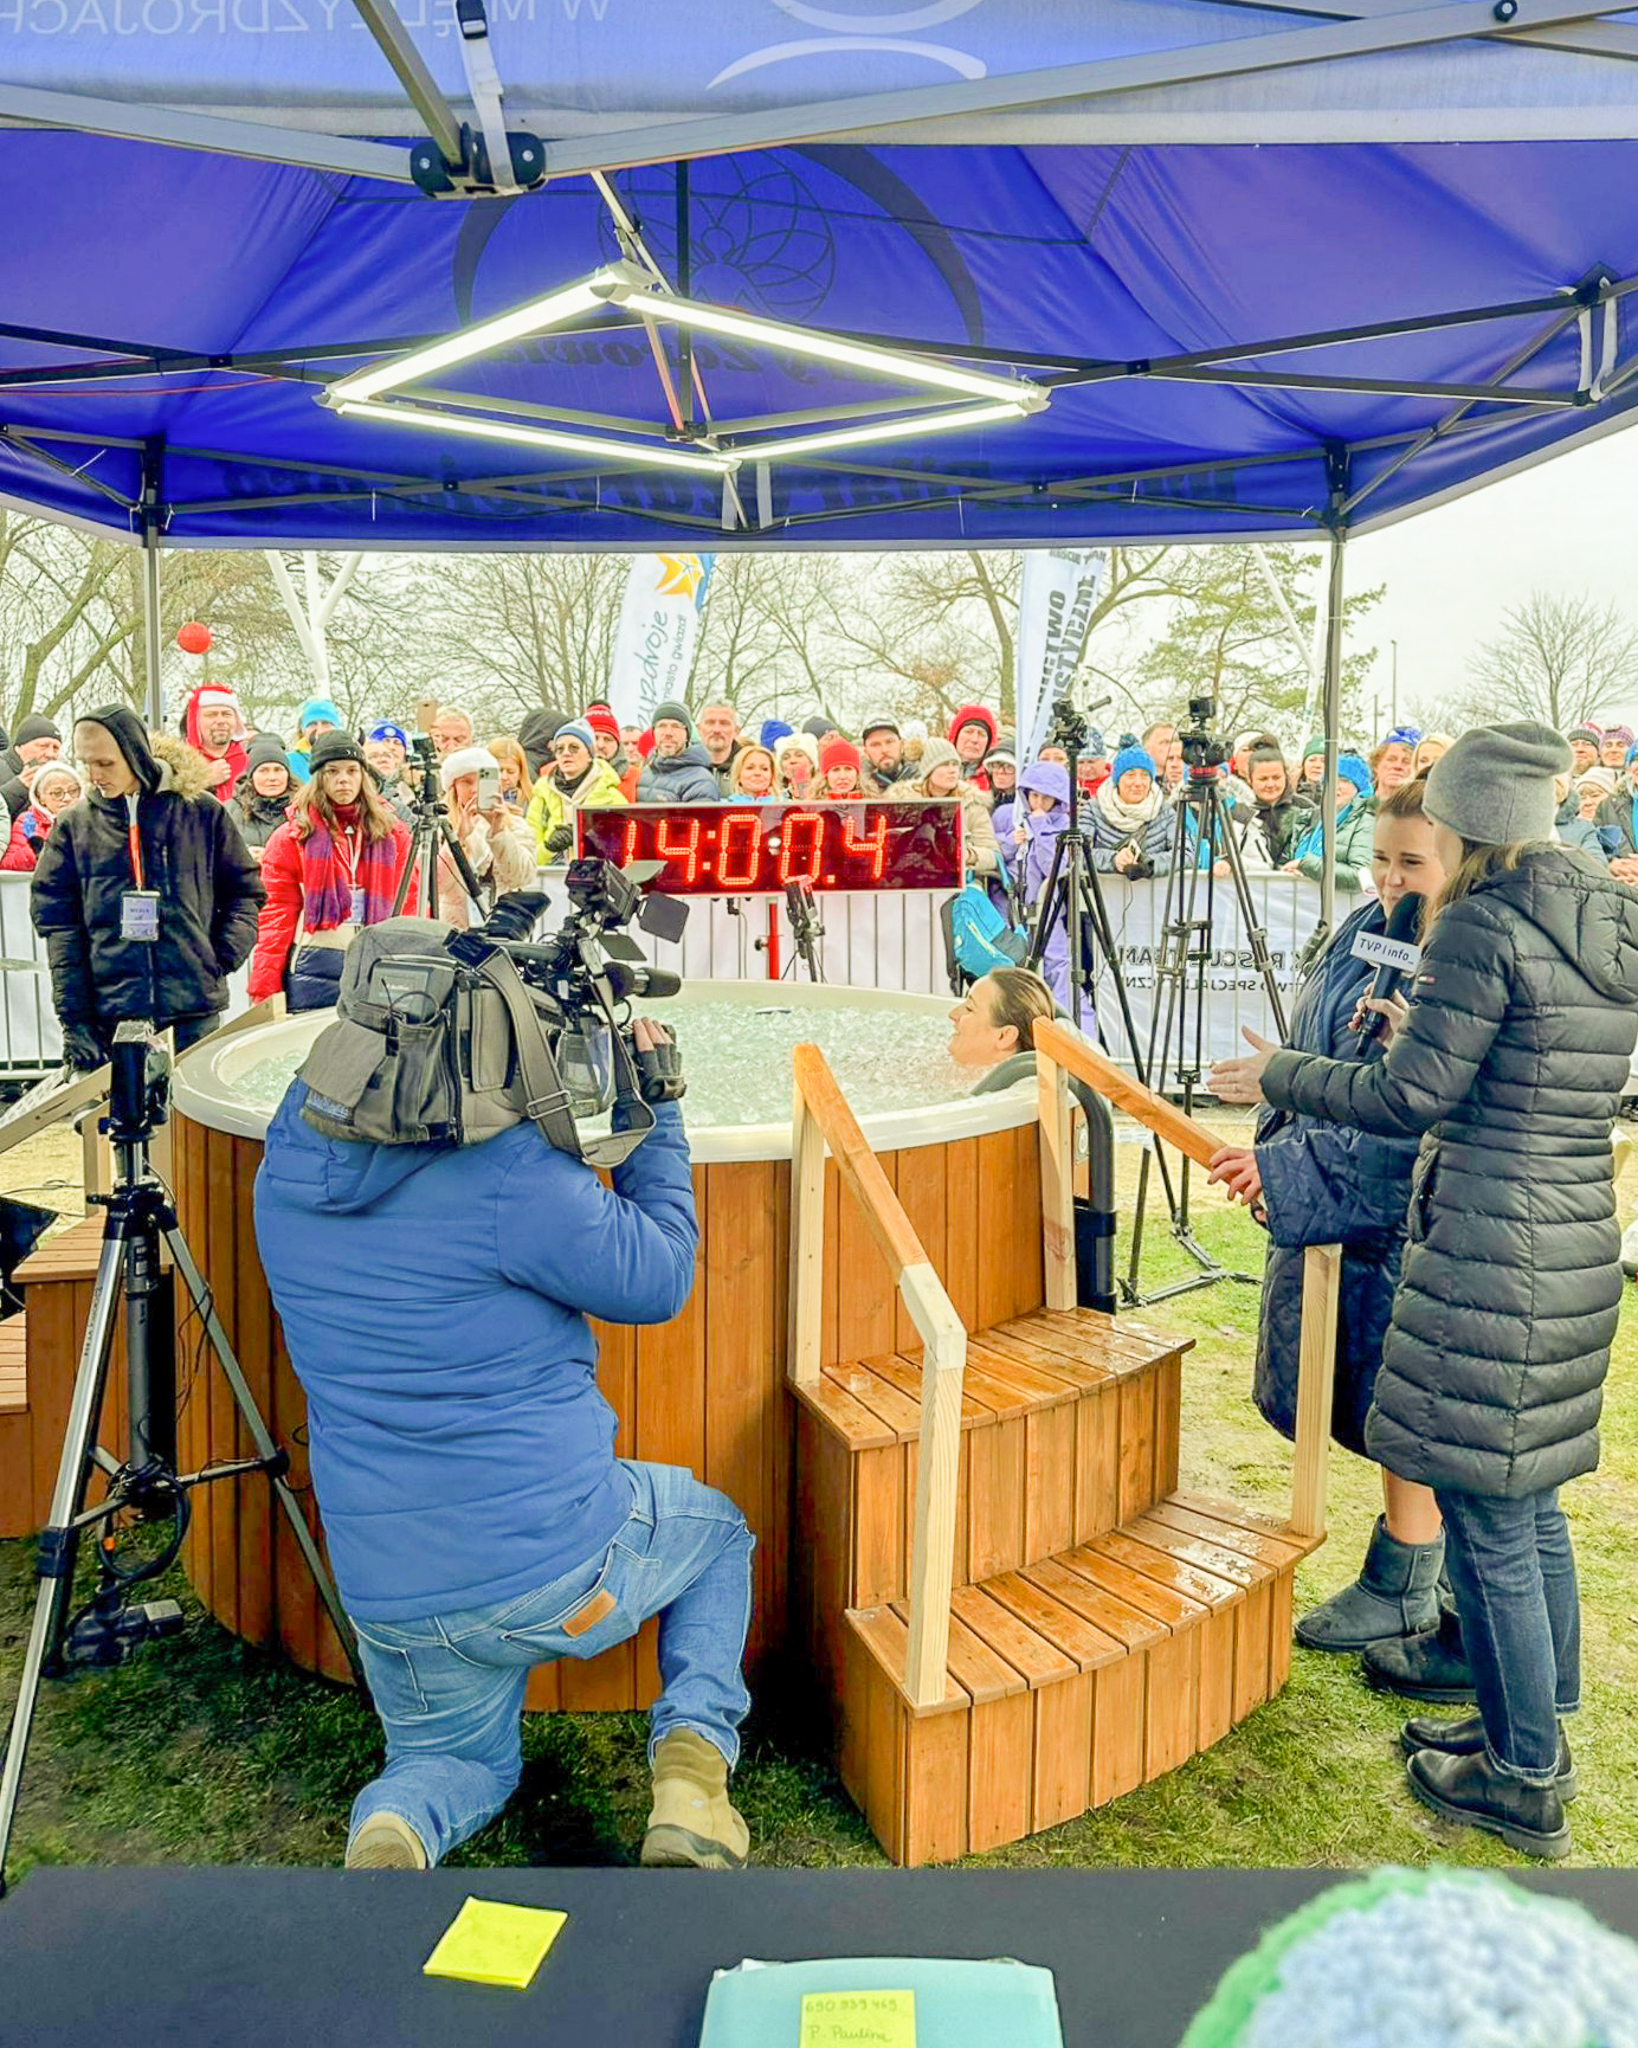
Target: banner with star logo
657 633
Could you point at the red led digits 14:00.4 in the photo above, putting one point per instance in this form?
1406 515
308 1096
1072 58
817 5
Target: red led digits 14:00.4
760 849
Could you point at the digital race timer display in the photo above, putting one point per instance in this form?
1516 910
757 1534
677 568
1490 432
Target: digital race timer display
760 849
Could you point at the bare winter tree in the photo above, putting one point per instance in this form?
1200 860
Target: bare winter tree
509 633
1559 660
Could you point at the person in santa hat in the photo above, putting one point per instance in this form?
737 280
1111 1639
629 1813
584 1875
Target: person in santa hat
212 724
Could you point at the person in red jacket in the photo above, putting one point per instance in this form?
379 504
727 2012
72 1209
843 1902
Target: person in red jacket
212 726
972 734
333 868
53 787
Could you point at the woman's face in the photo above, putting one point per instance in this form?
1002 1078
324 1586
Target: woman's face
1588 800
798 771
463 791
1436 750
571 757
1003 776
1041 800
756 775
1313 768
1395 768
944 780
386 757
54 791
975 1038
510 777
1404 860
842 782
1346 793
1447 850
1133 786
271 779
1053 754
342 781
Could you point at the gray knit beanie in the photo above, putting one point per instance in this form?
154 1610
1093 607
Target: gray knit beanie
1496 783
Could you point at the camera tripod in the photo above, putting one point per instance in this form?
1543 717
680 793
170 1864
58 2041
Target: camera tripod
806 929
146 1487
1203 834
431 834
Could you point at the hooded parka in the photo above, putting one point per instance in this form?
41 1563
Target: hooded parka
192 854
1510 1066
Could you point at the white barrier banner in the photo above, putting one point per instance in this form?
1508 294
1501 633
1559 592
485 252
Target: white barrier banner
1055 599
656 634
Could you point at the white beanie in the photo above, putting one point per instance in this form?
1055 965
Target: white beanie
464 761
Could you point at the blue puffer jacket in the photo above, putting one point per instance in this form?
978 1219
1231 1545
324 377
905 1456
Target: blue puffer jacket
1324 1183
434 1301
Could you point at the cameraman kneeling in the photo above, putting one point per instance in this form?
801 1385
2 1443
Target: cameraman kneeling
478 1520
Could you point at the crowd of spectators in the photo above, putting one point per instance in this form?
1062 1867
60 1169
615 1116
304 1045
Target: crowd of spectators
323 809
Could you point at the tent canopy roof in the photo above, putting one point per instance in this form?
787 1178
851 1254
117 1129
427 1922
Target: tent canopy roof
1241 336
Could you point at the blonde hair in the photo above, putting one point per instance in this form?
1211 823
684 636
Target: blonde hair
1477 864
510 755
1022 1000
745 754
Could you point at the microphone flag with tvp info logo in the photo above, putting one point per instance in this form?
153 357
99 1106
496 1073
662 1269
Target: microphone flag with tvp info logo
1394 954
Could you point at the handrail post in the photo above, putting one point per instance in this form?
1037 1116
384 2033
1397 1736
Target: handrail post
932 1549
807 1259
1057 1142
1316 1371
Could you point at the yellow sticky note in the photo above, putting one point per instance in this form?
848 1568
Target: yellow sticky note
858 2019
491 1943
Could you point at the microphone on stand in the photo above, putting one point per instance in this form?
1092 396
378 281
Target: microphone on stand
1394 954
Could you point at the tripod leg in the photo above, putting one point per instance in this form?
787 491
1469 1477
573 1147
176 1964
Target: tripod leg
59 1545
266 1449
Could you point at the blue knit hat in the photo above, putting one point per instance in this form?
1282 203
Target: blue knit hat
1352 768
386 730
1129 758
1632 753
773 731
577 729
315 710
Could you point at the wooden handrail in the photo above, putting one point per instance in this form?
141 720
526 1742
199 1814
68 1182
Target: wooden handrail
821 1115
1060 1052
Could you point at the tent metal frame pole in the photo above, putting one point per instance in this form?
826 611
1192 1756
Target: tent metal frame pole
391 37
1602 39
150 584
869 115
1331 702
216 134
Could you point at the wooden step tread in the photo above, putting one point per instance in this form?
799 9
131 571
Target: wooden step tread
13 1366
1024 1367
70 1254
1159 1575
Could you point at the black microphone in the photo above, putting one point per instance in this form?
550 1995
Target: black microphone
1394 954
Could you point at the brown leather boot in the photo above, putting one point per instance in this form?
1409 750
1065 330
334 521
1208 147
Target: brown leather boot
692 1825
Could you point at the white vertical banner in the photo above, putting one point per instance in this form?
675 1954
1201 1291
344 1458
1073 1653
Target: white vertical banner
657 632
1055 600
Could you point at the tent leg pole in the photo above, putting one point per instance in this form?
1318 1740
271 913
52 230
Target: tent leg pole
1331 704
150 621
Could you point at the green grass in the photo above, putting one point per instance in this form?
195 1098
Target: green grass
203 1750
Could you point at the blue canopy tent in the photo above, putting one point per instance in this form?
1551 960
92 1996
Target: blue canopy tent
1259 271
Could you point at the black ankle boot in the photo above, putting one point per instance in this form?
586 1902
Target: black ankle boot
1466 1738
1470 1792
1425 1667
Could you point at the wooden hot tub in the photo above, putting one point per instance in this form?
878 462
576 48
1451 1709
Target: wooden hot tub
706 1390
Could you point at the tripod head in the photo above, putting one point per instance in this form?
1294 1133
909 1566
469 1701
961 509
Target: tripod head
139 1084
1203 752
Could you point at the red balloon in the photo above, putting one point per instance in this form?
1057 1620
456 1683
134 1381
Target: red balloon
193 638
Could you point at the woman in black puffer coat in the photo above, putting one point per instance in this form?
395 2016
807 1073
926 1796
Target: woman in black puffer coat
1510 1061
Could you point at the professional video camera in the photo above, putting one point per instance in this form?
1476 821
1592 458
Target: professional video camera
447 1036
1203 752
587 968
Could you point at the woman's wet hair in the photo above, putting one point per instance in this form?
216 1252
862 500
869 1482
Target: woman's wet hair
1021 999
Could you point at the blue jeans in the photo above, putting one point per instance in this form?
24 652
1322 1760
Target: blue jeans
1513 1574
449 1688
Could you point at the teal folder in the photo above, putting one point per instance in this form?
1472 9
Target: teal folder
958 2004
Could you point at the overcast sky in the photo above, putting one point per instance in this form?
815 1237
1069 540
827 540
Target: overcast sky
1568 527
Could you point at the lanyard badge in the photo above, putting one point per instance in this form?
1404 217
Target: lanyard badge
139 916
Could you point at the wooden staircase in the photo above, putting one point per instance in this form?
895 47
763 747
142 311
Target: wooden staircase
38 1353
1014 1610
